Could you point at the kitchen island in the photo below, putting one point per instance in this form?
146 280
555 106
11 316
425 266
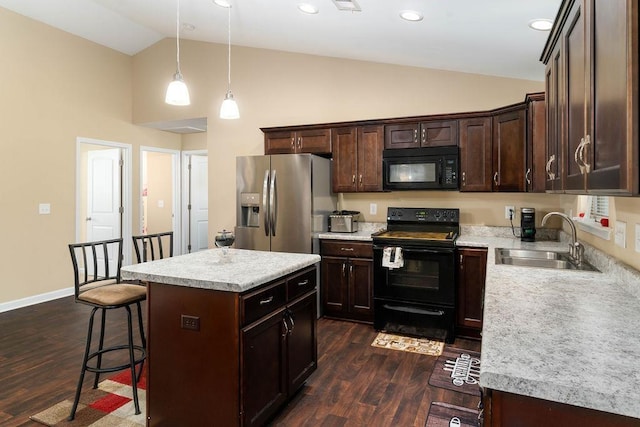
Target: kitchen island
231 335
558 340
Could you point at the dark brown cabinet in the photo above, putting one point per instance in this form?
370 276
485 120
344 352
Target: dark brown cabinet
472 268
475 154
347 280
434 133
535 176
357 159
314 141
246 358
554 84
592 62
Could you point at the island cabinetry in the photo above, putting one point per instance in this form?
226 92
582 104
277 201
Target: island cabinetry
506 409
314 141
472 268
434 133
357 159
232 357
592 51
347 280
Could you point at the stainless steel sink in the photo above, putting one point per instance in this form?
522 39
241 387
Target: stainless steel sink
540 259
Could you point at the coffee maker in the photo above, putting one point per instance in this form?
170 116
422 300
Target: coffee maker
527 224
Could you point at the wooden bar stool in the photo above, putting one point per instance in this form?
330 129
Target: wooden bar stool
96 267
148 245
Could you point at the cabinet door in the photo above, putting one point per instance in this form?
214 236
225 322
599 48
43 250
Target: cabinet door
315 141
361 289
279 142
264 376
576 87
439 133
535 175
370 145
475 154
405 135
472 264
611 51
345 160
509 151
554 83
302 354
334 286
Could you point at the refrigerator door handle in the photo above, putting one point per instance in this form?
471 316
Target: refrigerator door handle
273 202
265 200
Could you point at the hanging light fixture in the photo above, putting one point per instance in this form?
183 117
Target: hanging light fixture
229 107
177 92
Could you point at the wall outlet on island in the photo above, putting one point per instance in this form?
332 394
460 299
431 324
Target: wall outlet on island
509 212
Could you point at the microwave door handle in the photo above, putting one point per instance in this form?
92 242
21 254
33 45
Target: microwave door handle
440 172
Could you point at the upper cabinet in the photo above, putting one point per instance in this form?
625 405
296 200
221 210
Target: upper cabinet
314 141
357 159
591 60
535 175
434 133
475 154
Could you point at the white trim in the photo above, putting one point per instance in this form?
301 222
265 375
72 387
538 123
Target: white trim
185 194
127 183
592 227
175 178
36 299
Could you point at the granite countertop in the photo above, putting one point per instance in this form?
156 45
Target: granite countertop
239 271
365 230
565 336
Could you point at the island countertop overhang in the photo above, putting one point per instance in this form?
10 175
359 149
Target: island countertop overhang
240 270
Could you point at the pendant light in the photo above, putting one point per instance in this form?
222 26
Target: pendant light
229 107
177 92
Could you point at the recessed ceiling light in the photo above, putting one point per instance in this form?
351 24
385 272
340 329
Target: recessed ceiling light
223 3
541 24
411 15
308 8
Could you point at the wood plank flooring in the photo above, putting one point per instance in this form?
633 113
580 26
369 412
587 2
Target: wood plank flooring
41 348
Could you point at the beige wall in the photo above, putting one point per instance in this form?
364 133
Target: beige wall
159 201
55 87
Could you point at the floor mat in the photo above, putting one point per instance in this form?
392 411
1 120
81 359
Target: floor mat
457 369
447 415
411 344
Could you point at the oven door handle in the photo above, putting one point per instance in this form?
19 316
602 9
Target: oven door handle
414 310
440 251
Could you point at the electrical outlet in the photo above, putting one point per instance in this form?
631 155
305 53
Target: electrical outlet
190 322
621 234
373 208
637 237
509 212
44 208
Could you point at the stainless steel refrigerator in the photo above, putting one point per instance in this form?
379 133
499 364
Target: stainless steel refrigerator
282 200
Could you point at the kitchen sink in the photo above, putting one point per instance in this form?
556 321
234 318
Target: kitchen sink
540 259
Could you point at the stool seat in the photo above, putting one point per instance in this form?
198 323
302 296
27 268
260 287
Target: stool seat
114 295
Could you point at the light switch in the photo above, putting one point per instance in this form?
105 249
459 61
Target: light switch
161 203
44 208
637 237
621 234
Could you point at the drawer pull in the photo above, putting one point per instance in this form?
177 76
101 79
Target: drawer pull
347 249
266 301
303 283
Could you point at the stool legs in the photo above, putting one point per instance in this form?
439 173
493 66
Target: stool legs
132 360
72 415
100 347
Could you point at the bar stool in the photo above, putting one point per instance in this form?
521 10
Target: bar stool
96 267
146 245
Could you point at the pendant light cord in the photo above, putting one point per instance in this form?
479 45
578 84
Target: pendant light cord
178 35
229 49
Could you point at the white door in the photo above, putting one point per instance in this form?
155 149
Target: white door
104 197
198 203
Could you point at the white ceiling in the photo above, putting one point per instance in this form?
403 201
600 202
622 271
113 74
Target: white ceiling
477 36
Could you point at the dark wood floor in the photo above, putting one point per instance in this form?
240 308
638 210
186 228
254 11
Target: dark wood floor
355 385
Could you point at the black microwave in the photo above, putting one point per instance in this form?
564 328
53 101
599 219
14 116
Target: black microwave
427 168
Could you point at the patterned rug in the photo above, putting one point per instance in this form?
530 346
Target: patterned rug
457 369
446 415
410 344
111 404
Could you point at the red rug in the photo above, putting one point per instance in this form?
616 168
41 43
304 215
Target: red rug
111 404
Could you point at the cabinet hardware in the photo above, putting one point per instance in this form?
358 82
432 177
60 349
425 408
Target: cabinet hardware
347 249
550 174
266 301
293 143
587 166
353 179
495 178
360 179
464 178
299 142
415 135
527 176
286 327
461 262
424 135
344 268
303 283
577 156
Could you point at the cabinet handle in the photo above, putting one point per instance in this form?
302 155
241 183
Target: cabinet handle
495 178
461 262
286 327
293 143
353 179
299 142
527 176
303 283
576 156
550 174
266 301
293 324
351 272
424 135
587 166
344 269
415 135
347 249
464 179
360 179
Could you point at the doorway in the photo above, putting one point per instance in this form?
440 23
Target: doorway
103 192
195 201
160 192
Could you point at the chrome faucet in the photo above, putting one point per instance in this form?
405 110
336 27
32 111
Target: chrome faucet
576 250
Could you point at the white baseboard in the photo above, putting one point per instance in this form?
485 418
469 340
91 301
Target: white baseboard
36 299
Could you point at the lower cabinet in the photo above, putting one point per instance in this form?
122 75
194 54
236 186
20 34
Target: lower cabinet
472 268
347 280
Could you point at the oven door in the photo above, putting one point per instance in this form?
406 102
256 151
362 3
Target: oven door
428 276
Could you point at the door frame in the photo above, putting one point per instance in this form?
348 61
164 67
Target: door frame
185 195
127 201
175 200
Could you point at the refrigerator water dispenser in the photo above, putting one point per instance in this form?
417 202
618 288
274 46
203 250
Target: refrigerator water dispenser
249 203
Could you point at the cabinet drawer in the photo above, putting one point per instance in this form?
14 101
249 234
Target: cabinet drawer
262 302
301 283
347 249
